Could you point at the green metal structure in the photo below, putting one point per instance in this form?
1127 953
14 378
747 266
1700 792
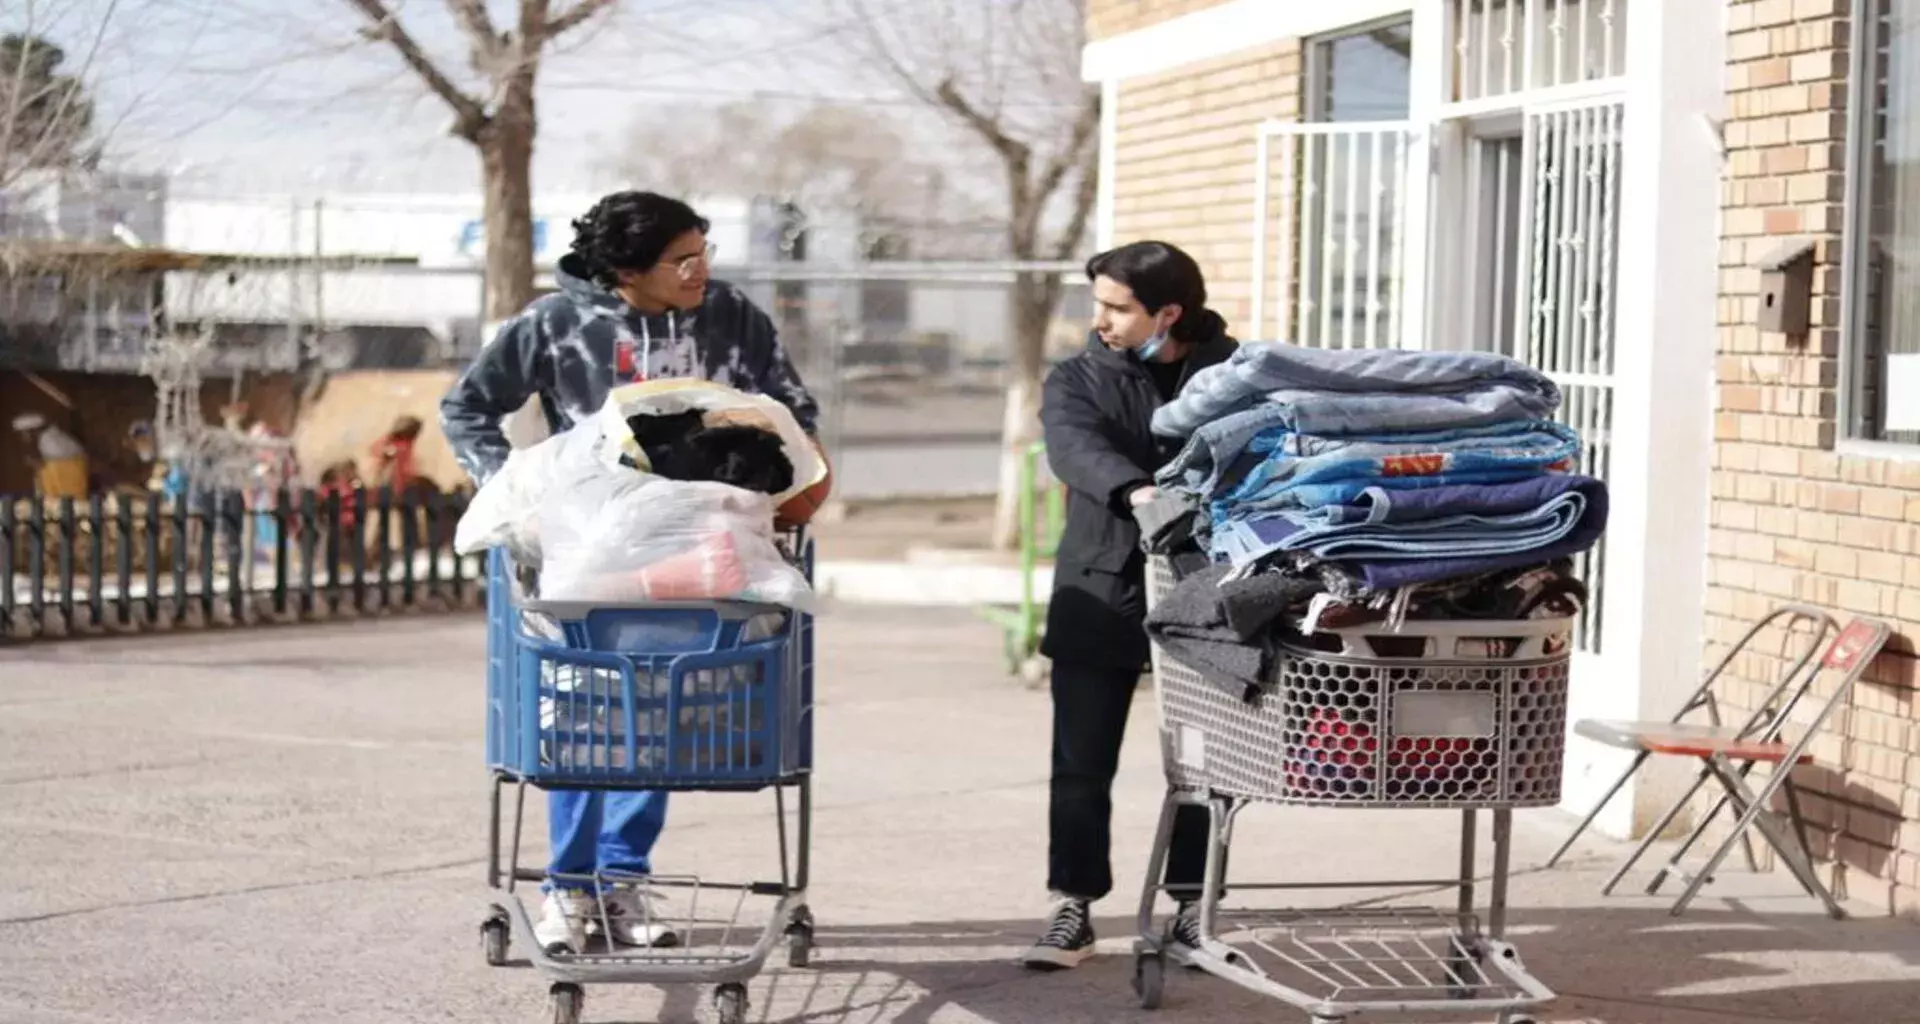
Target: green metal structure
1042 514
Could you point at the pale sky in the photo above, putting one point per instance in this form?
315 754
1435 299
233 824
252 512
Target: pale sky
278 95
281 96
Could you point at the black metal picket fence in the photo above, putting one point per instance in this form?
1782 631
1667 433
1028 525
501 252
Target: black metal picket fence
134 563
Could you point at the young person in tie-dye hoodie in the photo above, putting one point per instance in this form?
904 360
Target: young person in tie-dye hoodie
636 302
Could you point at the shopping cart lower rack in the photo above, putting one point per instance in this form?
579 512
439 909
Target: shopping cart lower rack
657 697
1469 716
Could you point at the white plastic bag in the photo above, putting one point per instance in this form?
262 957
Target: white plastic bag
616 535
505 510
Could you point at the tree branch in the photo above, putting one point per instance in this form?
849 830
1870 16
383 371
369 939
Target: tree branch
1010 148
71 90
469 116
15 104
1084 199
472 15
580 13
1086 128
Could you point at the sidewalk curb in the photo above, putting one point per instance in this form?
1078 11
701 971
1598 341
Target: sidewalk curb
925 584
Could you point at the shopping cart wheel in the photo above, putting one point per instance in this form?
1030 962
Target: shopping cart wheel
730 1000
495 936
799 948
1150 979
800 937
567 1000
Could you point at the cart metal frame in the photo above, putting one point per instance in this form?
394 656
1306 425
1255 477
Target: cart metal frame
1363 958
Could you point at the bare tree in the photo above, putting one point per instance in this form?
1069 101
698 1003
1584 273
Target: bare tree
45 113
823 158
46 107
498 119
1007 74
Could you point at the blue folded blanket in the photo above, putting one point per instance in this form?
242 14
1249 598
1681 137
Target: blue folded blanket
1394 538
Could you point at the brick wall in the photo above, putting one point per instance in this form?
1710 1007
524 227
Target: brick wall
1113 17
1792 518
1184 161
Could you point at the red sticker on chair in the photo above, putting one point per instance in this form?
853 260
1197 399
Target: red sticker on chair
1847 648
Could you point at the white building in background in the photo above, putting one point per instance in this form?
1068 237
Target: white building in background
105 207
346 275
369 267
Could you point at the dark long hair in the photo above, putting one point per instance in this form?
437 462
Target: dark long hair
1162 274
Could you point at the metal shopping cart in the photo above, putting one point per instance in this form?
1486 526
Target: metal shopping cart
1468 716
710 696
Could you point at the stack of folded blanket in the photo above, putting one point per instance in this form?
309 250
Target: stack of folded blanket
1326 488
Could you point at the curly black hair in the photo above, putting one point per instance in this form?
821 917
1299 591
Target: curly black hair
629 231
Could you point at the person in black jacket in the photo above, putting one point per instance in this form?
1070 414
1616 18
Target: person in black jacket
1151 330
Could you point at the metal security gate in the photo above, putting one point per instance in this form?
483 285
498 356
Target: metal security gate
1570 226
1523 263
1331 236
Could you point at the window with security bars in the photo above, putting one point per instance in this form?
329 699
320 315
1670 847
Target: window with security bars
1883 227
1340 181
1506 47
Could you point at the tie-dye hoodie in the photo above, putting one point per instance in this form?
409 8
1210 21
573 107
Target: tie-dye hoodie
573 346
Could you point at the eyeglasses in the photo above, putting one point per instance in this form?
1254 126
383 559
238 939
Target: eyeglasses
685 265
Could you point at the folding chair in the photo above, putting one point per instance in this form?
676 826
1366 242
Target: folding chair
1728 754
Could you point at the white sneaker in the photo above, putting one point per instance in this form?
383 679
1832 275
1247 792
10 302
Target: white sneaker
631 919
562 927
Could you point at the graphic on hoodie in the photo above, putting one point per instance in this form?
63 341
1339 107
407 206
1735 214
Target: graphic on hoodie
575 345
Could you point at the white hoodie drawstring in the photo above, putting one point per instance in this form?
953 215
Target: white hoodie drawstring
646 342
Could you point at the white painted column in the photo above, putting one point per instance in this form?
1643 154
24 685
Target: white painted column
1654 603
1103 206
1429 81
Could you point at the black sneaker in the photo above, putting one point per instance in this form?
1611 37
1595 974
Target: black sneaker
1067 941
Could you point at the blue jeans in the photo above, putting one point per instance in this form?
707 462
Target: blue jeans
603 830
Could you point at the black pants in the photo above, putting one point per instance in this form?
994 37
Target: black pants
1090 705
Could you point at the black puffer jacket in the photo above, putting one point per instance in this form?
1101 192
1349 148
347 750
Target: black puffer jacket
1097 411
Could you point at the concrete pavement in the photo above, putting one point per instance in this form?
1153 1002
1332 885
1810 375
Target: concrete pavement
288 826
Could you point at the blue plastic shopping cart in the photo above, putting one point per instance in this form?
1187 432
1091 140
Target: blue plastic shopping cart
711 696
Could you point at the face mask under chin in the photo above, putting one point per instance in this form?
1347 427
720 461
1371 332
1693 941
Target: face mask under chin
1151 347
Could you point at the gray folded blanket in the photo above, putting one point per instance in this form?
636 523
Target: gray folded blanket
1191 624
1250 605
